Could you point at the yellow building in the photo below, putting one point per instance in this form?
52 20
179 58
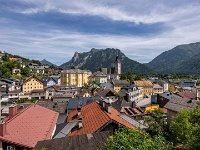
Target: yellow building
118 84
32 83
172 87
145 85
75 77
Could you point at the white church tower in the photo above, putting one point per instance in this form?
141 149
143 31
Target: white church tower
118 68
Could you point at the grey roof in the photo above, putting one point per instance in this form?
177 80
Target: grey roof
170 96
63 129
132 121
75 102
98 74
107 85
47 79
121 103
179 104
121 82
81 142
55 106
105 92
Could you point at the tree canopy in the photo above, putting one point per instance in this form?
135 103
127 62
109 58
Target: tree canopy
185 128
129 139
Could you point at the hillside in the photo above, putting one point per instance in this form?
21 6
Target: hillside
97 58
174 60
191 66
45 62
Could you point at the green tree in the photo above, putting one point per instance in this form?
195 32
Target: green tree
25 71
185 128
155 122
129 139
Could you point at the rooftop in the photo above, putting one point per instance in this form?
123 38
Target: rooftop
30 125
143 83
177 105
95 118
81 142
187 94
120 82
170 96
76 71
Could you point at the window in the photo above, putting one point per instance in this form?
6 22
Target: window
11 147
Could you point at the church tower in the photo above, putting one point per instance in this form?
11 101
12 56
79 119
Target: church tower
118 67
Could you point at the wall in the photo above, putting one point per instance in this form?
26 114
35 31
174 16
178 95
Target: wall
32 84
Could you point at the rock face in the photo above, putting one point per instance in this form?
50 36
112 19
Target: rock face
182 59
97 58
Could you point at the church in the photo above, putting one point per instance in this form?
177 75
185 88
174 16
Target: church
114 72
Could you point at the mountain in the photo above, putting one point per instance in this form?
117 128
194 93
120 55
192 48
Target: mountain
97 58
45 62
191 66
176 59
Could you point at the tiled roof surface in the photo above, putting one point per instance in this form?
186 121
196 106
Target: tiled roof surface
104 92
120 82
30 125
187 94
157 86
178 104
38 91
94 118
143 83
80 142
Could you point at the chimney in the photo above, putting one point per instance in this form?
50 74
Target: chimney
105 103
2 128
80 123
12 111
79 110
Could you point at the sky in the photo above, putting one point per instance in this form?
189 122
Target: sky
56 29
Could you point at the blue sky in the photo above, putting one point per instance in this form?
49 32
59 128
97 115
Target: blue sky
54 30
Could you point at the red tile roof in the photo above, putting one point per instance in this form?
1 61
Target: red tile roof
94 118
187 94
32 124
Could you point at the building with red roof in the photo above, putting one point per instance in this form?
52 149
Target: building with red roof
96 117
187 94
24 128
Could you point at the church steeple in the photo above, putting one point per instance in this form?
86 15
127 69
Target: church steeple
117 66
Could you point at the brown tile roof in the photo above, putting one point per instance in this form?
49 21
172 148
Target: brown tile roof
94 141
143 83
187 94
94 118
38 91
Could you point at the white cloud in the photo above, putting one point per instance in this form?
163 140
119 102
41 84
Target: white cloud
58 46
138 11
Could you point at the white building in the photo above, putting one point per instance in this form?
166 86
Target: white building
98 77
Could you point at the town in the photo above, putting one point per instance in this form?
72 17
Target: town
45 107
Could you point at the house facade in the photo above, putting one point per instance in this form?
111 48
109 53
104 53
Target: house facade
145 85
118 84
157 89
75 77
32 83
98 77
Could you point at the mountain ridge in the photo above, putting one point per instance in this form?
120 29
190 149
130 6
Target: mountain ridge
46 62
96 58
172 61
